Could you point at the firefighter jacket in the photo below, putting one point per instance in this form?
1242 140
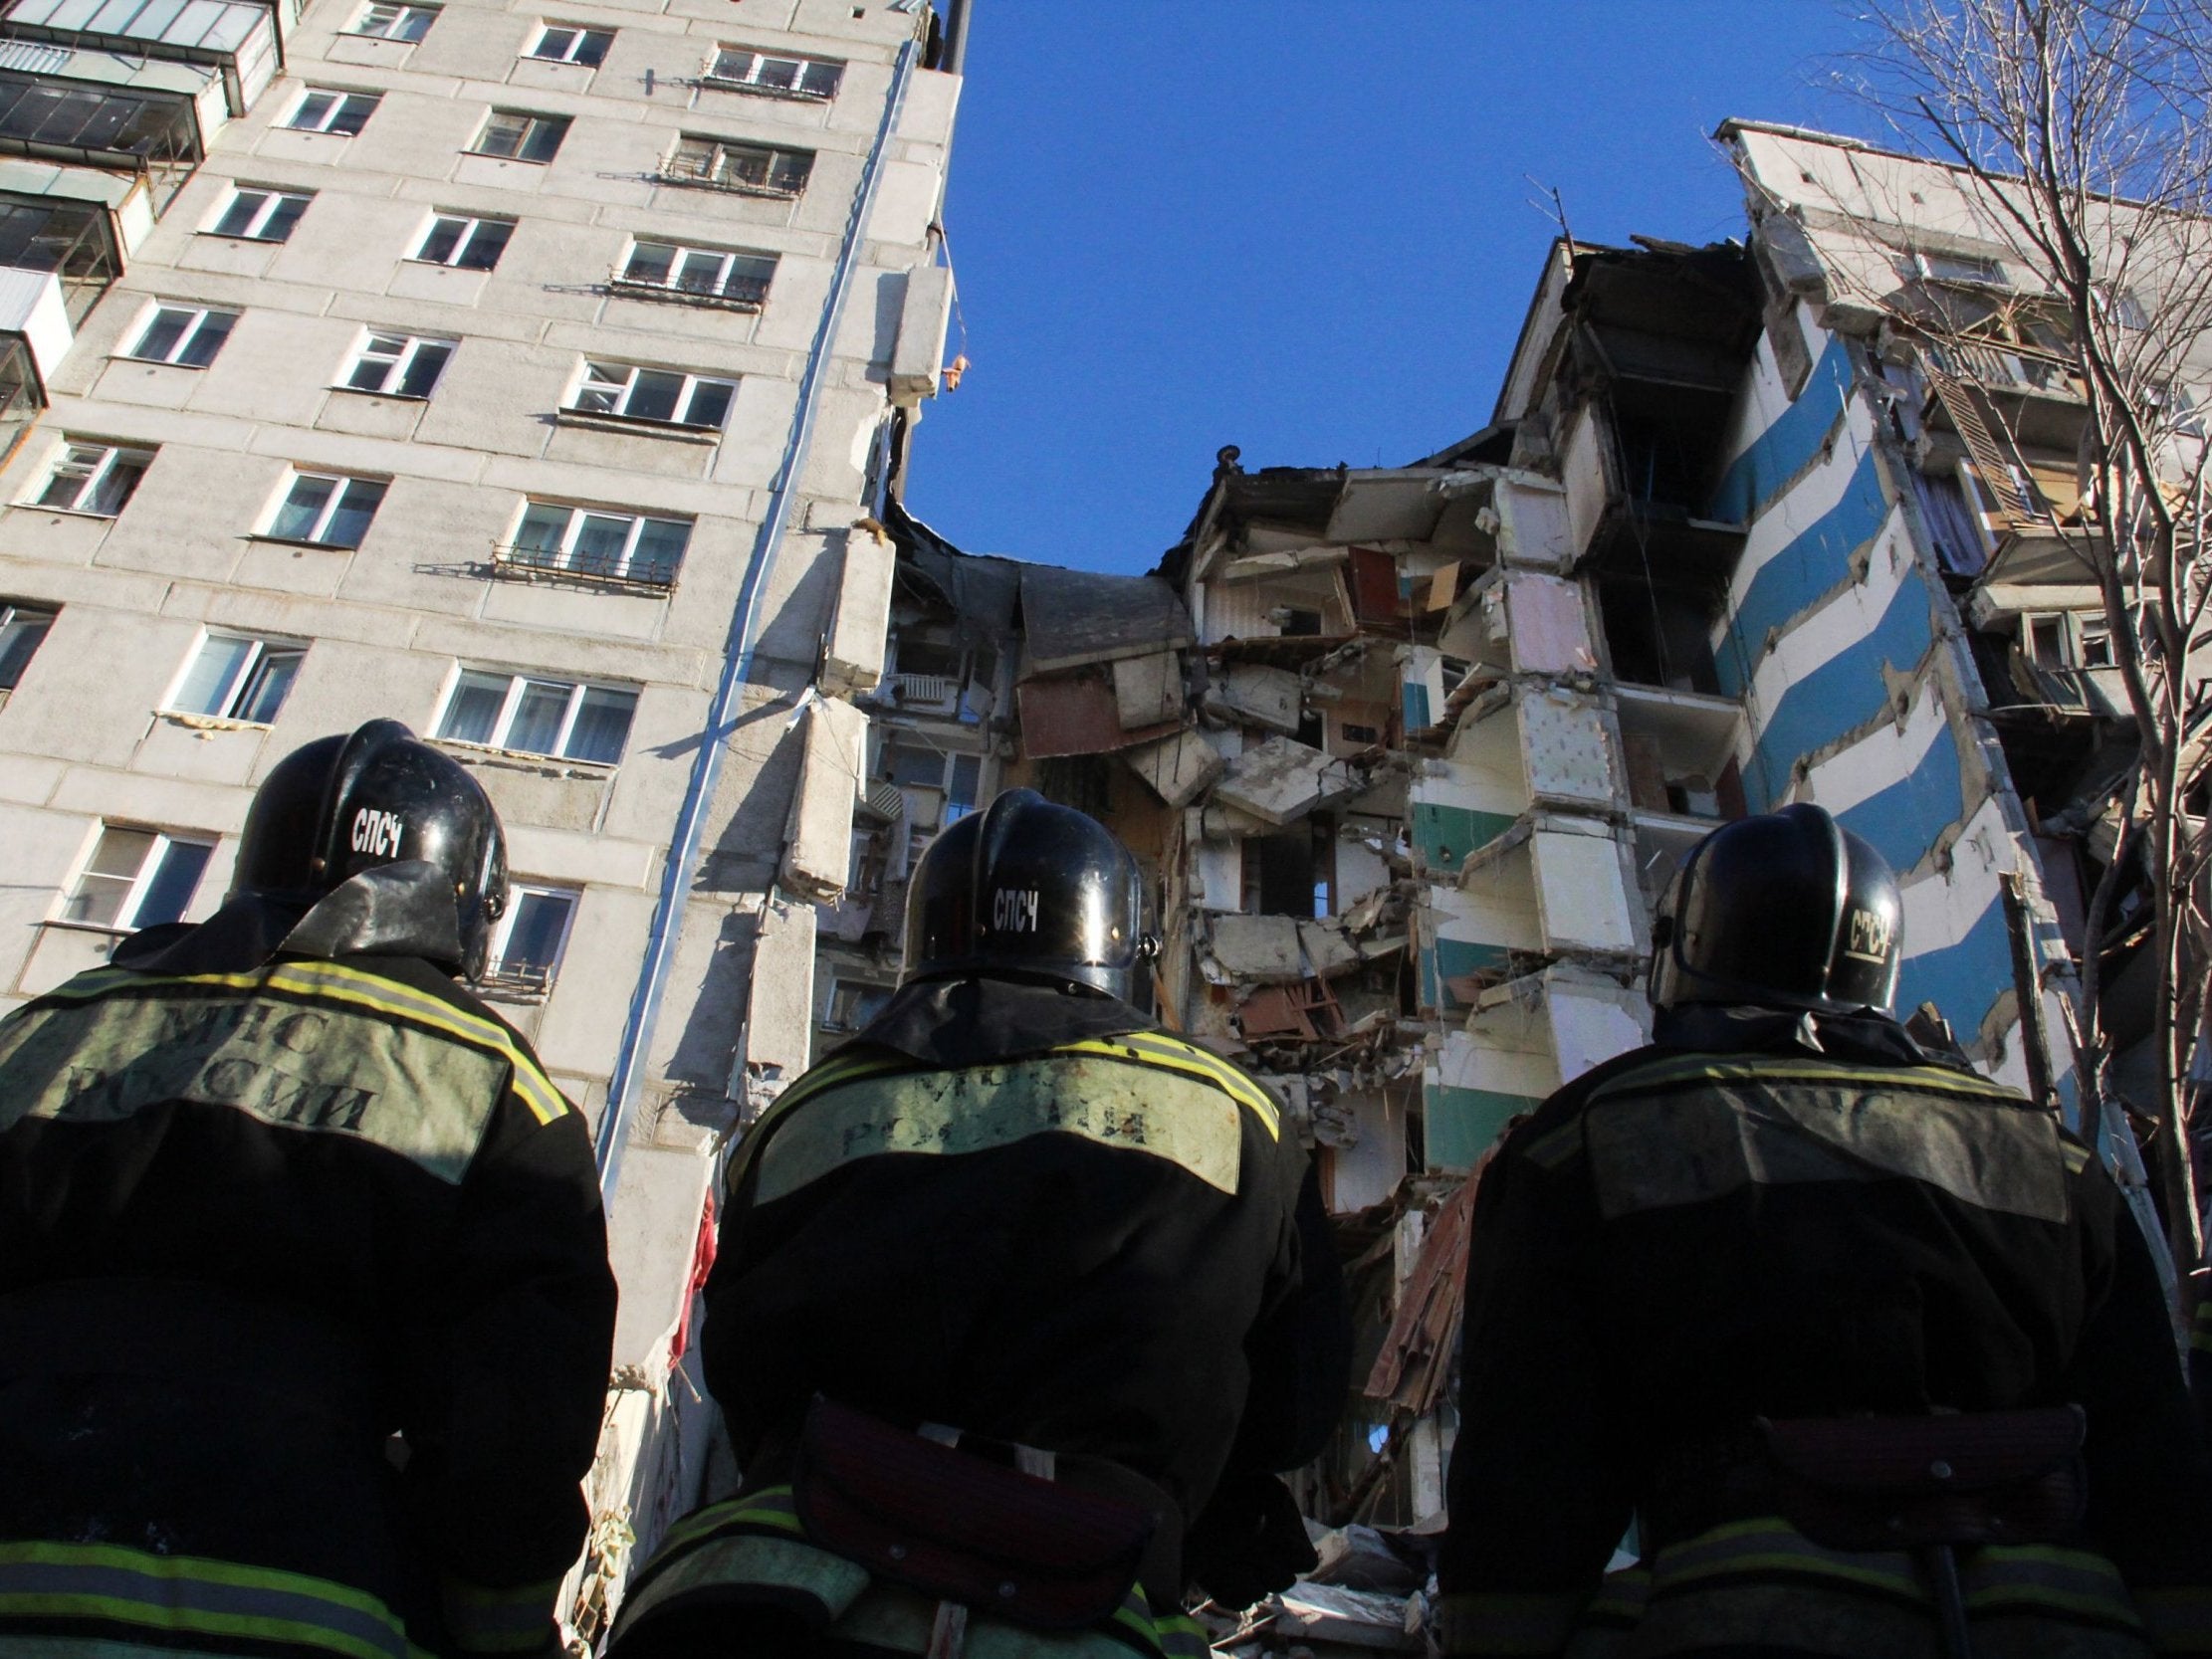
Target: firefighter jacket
1025 1212
1802 1218
259 1217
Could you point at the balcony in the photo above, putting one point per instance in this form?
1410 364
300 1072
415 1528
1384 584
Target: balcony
238 39
94 109
636 574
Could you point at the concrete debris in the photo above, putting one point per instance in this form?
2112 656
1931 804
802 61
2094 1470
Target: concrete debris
1176 769
1256 695
1258 947
1283 780
1075 617
1148 690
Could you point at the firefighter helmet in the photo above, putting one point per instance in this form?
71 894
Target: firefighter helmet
341 805
1787 909
1028 890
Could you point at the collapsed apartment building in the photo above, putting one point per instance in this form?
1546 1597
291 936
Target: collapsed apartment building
1412 753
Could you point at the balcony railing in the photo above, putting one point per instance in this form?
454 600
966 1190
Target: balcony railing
741 177
2004 370
635 573
529 979
936 690
739 294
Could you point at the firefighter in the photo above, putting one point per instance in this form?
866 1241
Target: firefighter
304 1304
1013 1218
1827 1319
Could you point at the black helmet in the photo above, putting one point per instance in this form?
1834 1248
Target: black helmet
1789 910
338 806
1026 890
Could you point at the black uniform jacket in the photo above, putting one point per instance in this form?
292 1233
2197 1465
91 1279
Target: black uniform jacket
1682 1240
256 1215
1025 1212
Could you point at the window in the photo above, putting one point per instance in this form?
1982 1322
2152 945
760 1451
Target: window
2096 642
136 878
322 111
1974 268
94 478
394 23
186 336
238 677
557 718
853 1003
749 169
528 938
2122 304
399 366
595 542
331 512
153 125
757 71
521 136
463 243
652 394
22 630
1359 734
571 42
708 275
916 765
260 215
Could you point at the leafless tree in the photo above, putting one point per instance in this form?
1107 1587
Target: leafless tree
2084 129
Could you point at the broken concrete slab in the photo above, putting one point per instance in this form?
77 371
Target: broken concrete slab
1283 779
1148 690
1073 617
1259 947
1254 693
1176 769
1326 948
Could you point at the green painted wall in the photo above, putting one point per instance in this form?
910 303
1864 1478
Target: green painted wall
1460 1124
1442 836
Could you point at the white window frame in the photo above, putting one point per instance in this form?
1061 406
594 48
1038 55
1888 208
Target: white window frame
472 224
94 464
1988 271
327 512
618 383
719 65
399 361
535 125
244 680
497 977
272 199
579 33
197 318
343 99
711 169
149 866
681 255
393 26
834 1020
563 558
502 724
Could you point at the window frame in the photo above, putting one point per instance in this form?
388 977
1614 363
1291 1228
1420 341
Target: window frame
474 224
199 319
342 100
594 377
403 363
534 122
753 84
273 198
498 978
529 559
245 681
715 174
403 11
294 478
96 476
582 32
127 919
502 724
16 619
679 255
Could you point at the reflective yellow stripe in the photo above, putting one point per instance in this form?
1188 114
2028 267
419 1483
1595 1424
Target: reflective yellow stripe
341 983
1182 1058
1661 1074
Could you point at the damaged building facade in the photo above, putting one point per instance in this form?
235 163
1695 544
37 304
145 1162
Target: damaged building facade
1411 754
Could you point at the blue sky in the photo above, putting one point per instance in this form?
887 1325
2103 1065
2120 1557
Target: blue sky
1301 228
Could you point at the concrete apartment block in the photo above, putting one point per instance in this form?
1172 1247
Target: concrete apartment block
517 374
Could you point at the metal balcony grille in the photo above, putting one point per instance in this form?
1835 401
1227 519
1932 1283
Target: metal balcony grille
739 293
770 173
635 575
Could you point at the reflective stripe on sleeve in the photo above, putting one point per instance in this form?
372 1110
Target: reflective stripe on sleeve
483 1620
197 1596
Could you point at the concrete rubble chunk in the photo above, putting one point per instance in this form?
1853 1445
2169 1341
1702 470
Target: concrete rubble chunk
1176 769
1283 779
1258 695
1327 949
1259 947
1148 690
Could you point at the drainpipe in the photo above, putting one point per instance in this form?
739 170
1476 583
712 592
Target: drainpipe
956 37
681 872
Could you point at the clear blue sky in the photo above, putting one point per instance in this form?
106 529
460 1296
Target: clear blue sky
1303 228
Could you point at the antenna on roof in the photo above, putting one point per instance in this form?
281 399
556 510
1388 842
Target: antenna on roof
1557 212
